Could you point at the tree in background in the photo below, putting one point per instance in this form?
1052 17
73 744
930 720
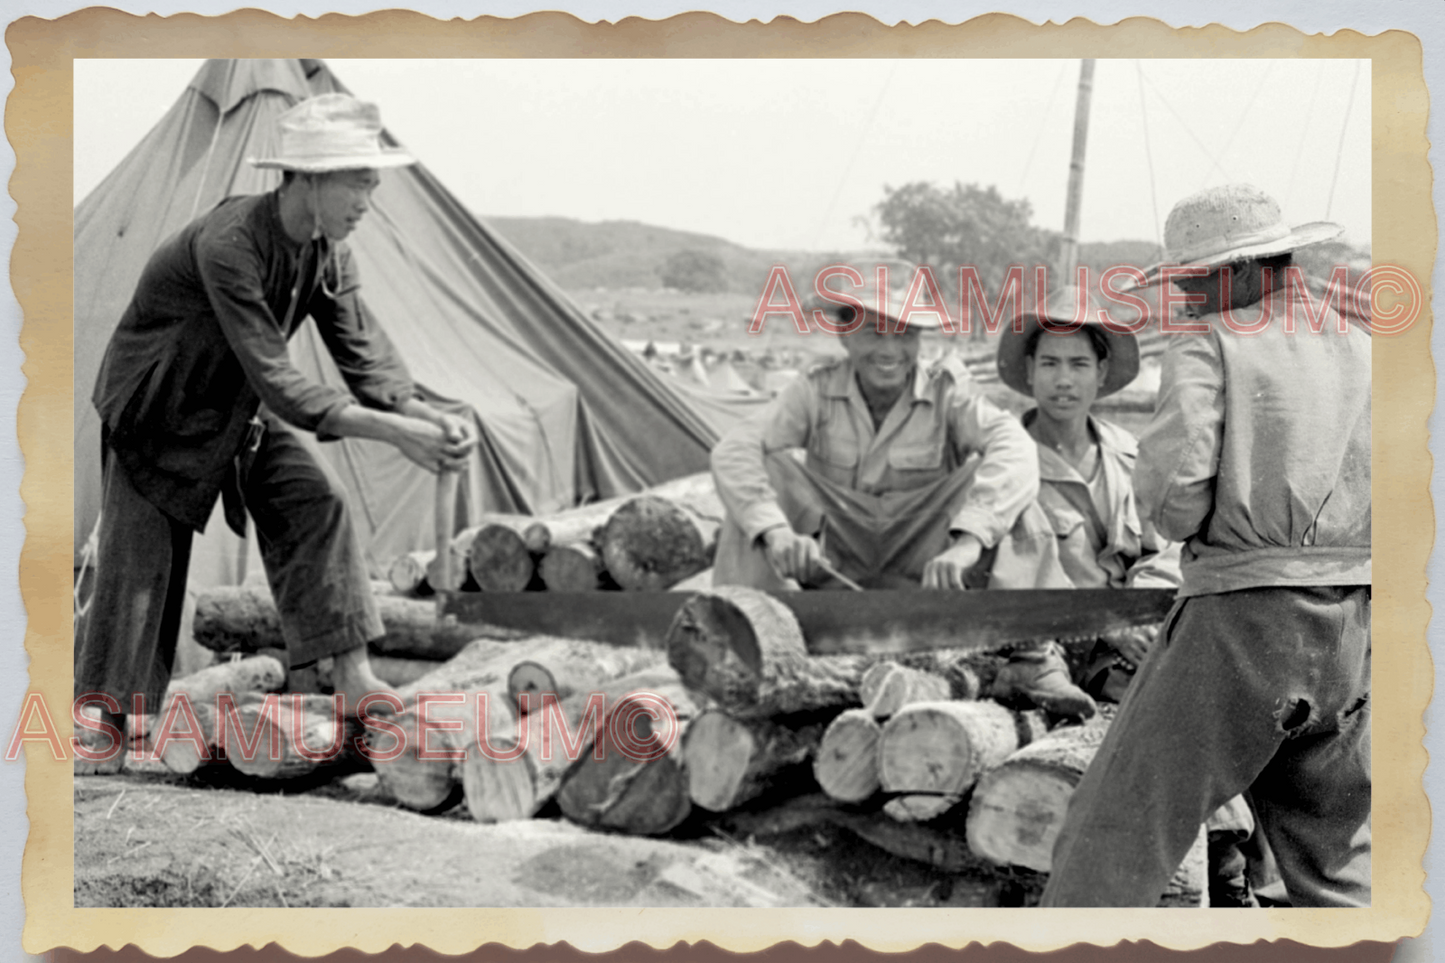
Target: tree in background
694 271
966 224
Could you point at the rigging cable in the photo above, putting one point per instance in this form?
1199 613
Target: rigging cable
1043 125
857 146
1243 115
1187 129
1340 151
1149 158
1300 148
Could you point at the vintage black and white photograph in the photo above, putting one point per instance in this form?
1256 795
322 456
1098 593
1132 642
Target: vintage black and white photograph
928 483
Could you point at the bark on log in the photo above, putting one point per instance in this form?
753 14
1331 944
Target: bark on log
243 619
943 747
641 797
257 673
651 543
576 667
516 782
920 808
571 567
396 671
743 649
321 729
415 573
887 687
180 755
846 764
1018 807
701 582
407 573
499 557
730 763
248 677
429 783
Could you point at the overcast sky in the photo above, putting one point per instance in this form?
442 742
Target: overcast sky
788 154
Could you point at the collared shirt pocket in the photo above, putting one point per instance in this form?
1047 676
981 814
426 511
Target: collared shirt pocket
835 455
914 466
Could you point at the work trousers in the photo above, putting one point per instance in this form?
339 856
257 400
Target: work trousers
1265 690
885 540
313 561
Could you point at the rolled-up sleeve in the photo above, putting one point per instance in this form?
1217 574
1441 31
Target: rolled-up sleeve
739 457
363 353
232 273
1179 450
1007 477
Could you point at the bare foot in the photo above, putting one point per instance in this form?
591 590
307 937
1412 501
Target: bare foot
96 752
351 675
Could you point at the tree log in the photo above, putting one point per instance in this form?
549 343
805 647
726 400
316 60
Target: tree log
571 567
941 748
396 671
641 797
730 763
651 543
521 781
846 764
243 619
887 687
743 649
433 784
322 731
499 557
415 573
575 666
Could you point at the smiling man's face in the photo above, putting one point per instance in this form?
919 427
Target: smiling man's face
882 362
1065 375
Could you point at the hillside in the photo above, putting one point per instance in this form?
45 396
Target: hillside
617 255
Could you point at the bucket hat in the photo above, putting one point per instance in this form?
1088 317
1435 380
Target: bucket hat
332 132
1233 222
1063 307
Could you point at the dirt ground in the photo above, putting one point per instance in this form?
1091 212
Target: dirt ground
149 838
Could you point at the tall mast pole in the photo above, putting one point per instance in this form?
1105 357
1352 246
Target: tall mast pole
1070 252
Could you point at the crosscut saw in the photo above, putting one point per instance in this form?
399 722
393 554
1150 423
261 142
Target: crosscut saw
876 622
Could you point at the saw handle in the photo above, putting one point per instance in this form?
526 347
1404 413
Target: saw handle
445 521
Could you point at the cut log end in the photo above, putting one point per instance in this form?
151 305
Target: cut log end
651 543
846 764
576 567
497 791
718 751
498 559
531 679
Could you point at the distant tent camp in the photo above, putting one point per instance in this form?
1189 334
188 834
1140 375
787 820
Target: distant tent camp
566 414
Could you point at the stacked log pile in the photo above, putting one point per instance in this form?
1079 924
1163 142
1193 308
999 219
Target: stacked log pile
645 542
735 717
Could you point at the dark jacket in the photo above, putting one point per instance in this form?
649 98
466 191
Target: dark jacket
203 344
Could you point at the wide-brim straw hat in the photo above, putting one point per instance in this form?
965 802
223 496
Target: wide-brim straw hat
900 277
1063 308
1234 222
332 132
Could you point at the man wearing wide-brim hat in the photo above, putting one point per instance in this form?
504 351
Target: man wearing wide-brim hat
909 475
198 401
1064 358
1258 459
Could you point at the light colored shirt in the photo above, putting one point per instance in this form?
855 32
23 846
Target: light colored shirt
1102 541
940 423
1258 455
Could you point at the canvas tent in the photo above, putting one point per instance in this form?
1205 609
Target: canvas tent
566 415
